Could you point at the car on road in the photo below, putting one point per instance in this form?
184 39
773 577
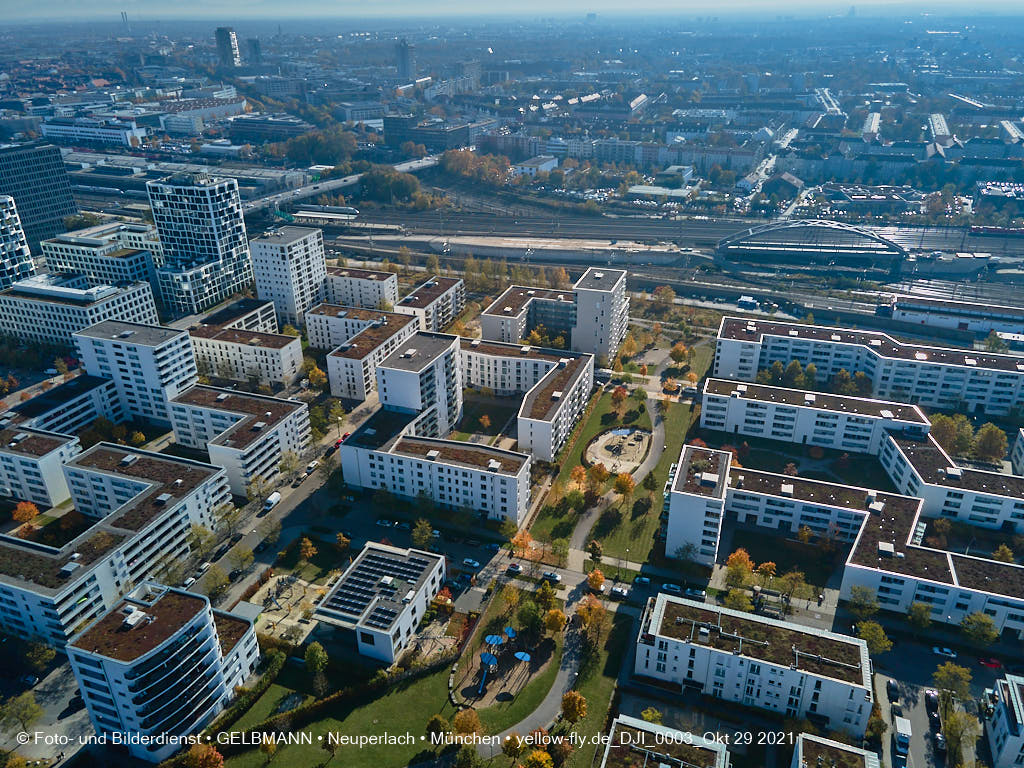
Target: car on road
696 594
949 653
931 700
619 593
940 742
551 577
403 526
312 465
236 574
641 581
435 534
28 680
674 589
470 563
298 480
892 690
991 663
934 721
384 522
514 568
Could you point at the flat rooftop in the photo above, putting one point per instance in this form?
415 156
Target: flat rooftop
633 743
702 471
427 293
31 442
418 351
600 279
543 400
743 329
502 349
230 629
933 465
241 336
815 751
881 409
360 274
516 297
456 452
234 311
350 313
380 429
51 399
258 414
285 235
374 335
130 333
782 643
371 591
115 638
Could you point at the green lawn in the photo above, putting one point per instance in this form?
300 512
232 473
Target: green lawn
266 706
636 532
319 566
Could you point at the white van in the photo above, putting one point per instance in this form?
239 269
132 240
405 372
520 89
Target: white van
271 501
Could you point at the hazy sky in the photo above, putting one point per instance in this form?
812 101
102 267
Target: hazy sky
68 10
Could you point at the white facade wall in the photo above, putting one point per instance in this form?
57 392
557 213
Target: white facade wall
406 385
147 376
807 424
273 365
332 327
602 314
290 268
78 410
94 131
27 476
507 328
176 688
37 318
354 378
108 254
1017 453
350 289
438 313
790 692
1003 729
694 523
15 258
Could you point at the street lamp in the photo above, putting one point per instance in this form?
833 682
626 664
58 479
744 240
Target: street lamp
340 419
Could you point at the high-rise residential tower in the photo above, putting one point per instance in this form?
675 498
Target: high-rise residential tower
290 270
202 233
15 260
34 175
227 47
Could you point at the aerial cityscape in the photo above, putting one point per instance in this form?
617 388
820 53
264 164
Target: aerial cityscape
584 388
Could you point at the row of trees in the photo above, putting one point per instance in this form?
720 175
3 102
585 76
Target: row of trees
957 436
795 376
489 275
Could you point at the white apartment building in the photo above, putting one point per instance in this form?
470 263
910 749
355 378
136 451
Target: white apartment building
108 254
15 257
812 751
149 364
49 309
592 317
436 303
67 408
695 504
244 433
352 366
143 503
936 377
367 288
854 424
245 314
272 359
632 739
290 269
387 453
331 325
424 377
382 597
1017 453
202 234
1005 729
31 465
973 496
794 671
162 663
83 130
955 315
602 312
555 385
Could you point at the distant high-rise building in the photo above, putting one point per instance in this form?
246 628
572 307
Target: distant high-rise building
15 259
34 175
253 51
202 233
405 59
227 47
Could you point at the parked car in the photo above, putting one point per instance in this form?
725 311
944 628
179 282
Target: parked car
675 589
403 526
514 568
551 576
470 563
949 653
931 700
312 465
892 690
641 581
435 534
28 680
940 742
298 480
619 593
384 522
895 710
696 594
935 721
991 663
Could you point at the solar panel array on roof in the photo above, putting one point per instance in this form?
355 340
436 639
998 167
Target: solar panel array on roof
376 575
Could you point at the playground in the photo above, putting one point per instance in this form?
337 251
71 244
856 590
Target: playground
620 450
287 604
502 667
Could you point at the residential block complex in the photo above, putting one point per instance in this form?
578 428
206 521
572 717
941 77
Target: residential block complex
436 302
367 288
108 254
290 270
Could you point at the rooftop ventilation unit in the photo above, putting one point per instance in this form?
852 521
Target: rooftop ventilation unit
836 337
386 581
525 349
432 455
786 490
494 465
163 498
222 397
954 473
128 460
794 332
410 352
258 426
708 479
886 413
556 395
920 356
475 343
